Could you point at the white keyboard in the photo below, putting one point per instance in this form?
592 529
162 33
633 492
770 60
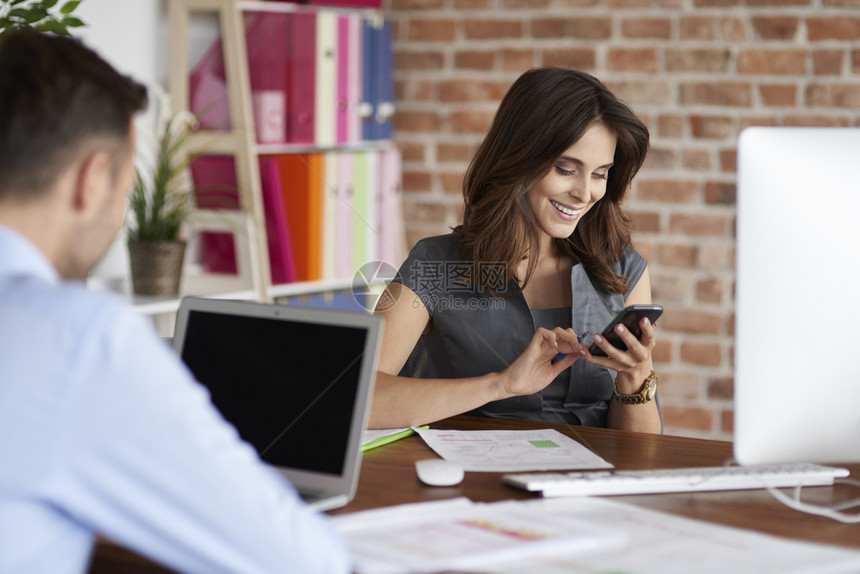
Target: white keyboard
605 483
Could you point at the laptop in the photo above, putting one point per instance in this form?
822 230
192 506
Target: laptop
296 383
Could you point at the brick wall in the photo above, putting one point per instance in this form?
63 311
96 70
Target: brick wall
696 71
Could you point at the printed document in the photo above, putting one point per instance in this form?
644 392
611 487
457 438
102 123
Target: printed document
511 451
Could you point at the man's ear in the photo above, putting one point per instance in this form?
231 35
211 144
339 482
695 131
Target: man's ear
93 181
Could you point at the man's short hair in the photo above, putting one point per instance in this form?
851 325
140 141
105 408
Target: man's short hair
56 96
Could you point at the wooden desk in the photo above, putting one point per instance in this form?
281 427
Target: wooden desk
388 478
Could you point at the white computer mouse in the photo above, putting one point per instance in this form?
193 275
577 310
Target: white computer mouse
439 472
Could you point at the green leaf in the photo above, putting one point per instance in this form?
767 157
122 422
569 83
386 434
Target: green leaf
48 4
69 7
72 22
52 26
16 2
21 13
35 13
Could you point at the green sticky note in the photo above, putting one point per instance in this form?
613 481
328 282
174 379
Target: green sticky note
544 443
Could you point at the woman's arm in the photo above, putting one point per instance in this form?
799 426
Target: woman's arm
402 401
633 367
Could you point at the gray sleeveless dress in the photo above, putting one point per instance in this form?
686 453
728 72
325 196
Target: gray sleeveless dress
474 332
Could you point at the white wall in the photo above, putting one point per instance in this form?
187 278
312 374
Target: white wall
133 36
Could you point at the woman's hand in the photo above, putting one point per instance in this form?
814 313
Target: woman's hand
633 365
538 365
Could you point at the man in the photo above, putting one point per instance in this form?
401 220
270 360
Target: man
102 430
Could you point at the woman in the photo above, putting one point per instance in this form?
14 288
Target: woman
544 252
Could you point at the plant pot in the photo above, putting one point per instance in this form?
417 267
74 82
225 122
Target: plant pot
156 267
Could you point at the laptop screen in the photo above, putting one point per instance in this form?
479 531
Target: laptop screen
289 387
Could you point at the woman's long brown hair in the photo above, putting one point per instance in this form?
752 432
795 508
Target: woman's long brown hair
544 113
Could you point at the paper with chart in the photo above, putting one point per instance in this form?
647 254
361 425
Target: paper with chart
511 451
458 534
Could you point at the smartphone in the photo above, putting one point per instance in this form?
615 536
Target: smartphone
629 317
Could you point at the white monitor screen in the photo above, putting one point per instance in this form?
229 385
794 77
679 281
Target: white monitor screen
797 347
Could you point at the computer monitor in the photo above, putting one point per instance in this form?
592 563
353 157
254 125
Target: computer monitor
797 336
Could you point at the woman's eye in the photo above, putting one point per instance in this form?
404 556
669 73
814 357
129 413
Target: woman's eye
600 176
563 171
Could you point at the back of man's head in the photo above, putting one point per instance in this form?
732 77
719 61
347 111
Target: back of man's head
57 98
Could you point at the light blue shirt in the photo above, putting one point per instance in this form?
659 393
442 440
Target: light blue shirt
103 431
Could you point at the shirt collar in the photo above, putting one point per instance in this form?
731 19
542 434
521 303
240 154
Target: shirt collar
19 256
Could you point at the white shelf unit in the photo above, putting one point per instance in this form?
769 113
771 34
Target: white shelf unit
254 279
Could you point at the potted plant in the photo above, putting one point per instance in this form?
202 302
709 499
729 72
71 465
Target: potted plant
42 15
160 202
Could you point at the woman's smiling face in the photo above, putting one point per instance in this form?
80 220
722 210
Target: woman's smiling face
576 181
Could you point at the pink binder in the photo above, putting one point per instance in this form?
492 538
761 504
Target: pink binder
301 73
281 260
354 79
344 267
342 112
214 180
390 211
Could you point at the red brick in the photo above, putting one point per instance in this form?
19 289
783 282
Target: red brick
748 121
416 121
727 94
590 28
654 28
715 3
454 152
697 60
661 354
827 62
729 160
403 5
842 3
514 4
779 3
693 322
699 225
416 181
698 28
474 60
642 60
432 30
667 191
705 354
691 418
778 95
772 62
468 90
471 4
727 421
776 27
660 158
518 60
734 29
817 121
468 122
832 28
418 60
721 388
670 126
622 4
710 290
833 95
646 222
549 28
715 257
720 193
578 3
670 285
696 159
676 255
855 61
651 92
712 127
412 151
485 29
452 182
574 58
416 90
